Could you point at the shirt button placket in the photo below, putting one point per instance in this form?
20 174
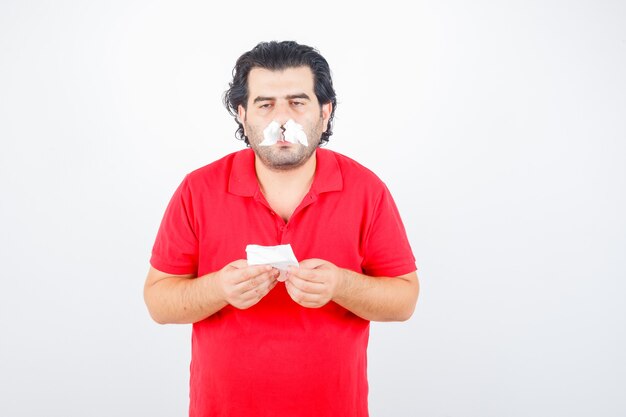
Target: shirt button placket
284 229
280 226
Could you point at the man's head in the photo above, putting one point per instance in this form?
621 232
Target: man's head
277 57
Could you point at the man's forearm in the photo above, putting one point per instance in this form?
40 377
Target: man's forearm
378 298
183 300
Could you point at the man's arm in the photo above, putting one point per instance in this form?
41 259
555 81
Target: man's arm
316 282
185 299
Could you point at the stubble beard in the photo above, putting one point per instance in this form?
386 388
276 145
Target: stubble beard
279 158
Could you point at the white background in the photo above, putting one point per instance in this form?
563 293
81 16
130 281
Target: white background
500 128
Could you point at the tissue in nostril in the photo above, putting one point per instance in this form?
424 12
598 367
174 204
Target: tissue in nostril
292 131
271 134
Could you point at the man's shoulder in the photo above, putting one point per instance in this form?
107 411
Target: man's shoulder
217 170
353 171
219 166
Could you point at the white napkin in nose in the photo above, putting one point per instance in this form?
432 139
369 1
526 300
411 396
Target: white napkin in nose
294 133
271 134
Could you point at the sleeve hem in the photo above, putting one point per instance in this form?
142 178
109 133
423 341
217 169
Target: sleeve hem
157 263
392 272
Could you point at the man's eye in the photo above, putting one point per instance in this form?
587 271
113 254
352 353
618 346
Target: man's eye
265 106
297 103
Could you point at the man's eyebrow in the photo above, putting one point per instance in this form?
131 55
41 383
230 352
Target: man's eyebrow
301 95
288 97
260 98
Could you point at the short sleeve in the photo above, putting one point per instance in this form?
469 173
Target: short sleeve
175 249
387 249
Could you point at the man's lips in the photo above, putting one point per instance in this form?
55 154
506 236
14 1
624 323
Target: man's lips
282 141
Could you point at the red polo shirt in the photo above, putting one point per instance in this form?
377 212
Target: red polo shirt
278 358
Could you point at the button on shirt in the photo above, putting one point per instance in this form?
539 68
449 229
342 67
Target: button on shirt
278 358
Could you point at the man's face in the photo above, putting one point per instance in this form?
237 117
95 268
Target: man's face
280 96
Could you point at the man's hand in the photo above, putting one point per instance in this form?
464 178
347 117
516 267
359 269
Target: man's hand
314 283
243 286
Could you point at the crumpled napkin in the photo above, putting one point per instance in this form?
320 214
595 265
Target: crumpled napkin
294 133
280 257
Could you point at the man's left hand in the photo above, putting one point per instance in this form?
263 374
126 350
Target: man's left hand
314 283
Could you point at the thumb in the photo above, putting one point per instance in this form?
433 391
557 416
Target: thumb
238 264
312 263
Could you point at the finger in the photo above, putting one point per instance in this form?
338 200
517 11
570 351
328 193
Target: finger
250 272
254 282
265 285
254 295
256 270
264 289
309 287
275 273
272 282
312 263
293 292
239 264
305 274
304 299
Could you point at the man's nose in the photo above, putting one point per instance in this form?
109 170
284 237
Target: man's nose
282 113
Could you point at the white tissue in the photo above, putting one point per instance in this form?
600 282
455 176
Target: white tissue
271 134
294 133
280 257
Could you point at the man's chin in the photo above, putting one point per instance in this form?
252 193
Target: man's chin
283 160
284 165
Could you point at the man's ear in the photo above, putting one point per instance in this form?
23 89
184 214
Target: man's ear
326 111
241 117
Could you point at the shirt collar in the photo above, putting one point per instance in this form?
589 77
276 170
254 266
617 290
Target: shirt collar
243 181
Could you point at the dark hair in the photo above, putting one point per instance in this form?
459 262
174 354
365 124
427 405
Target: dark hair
277 56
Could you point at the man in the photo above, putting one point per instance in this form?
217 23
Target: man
261 347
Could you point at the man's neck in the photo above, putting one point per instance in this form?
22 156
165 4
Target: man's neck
285 190
293 181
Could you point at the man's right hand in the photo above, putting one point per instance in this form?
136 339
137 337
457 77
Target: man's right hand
243 286
186 299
